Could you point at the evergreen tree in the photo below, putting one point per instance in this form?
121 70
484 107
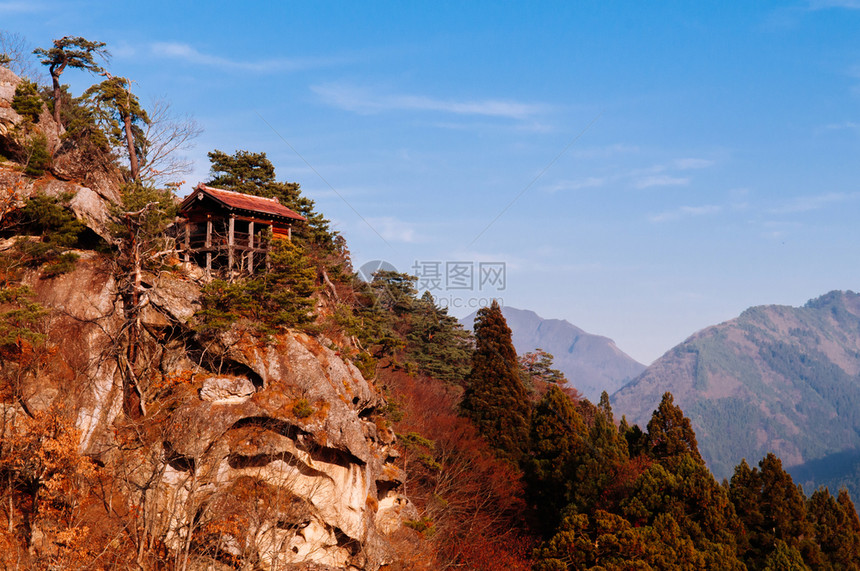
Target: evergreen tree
773 510
637 441
556 447
670 433
834 528
73 52
121 118
495 398
602 541
254 173
437 342
276 299
26 101
604 457
537 365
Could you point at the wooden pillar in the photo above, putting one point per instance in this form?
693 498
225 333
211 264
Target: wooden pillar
271 235
230 228
290 231
251 247
187 241
208 243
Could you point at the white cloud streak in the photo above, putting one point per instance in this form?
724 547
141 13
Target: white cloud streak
692 163
814 202
824 4
190 54
21 7
365 101
393 230
686 212
590 182
661 180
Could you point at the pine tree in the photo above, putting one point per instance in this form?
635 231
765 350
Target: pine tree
254 173
773 511
670 433
495 398
437 342
555 451
537 365
834 532
74 52
121 117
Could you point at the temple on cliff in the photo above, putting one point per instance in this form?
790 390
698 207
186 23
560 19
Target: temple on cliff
226 230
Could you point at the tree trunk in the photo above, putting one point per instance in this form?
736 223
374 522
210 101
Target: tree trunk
57 95
132 154
133 404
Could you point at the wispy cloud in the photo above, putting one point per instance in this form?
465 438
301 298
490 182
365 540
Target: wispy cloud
393 230
590 182
603 152
21 7
661 180
190 54
366 101
844 126
692 163
824 4
814 202
685 212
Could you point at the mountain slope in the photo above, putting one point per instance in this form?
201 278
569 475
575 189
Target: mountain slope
776 378
591 363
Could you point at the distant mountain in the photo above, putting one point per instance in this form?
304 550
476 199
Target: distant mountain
776 378
592 363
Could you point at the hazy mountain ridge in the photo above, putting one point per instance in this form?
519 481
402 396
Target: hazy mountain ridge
592 363
776 378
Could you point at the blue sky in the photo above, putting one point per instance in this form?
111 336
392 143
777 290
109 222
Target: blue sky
643 170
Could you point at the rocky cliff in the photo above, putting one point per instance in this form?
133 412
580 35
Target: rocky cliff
262 451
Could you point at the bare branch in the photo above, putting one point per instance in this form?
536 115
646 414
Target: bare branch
168 136
19 53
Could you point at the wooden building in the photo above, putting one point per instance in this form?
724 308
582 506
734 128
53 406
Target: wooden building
230 231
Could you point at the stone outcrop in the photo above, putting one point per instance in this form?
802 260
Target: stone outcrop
277 433
93 187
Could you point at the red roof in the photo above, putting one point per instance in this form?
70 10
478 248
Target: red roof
241 201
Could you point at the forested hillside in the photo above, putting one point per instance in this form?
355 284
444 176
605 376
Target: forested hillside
776 379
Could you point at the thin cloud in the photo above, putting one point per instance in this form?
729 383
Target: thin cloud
814 202
365 101
692 163
824 4
21 7
393 230
685 212
604 152
190 54
590 182
661 180
845 125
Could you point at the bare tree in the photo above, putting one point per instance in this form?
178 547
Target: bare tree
167 136
15 54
